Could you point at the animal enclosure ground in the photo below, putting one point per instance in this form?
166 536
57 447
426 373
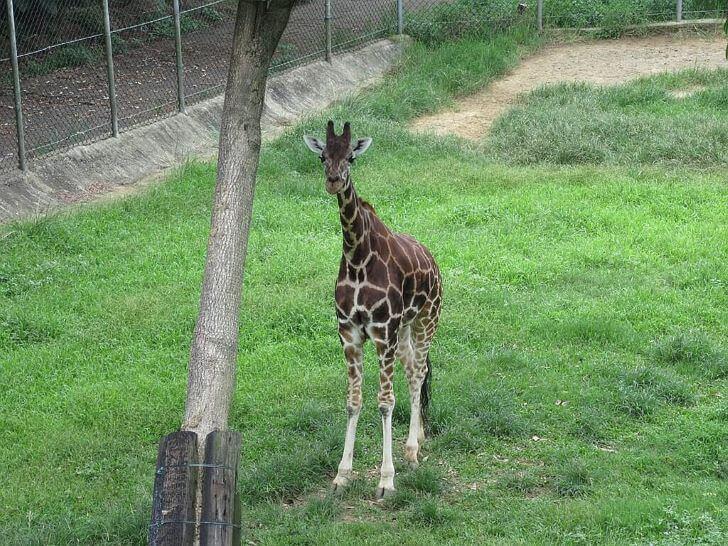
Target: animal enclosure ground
669 119
70 105
602 62
579 373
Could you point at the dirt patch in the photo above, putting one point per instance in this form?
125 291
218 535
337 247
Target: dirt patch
687 92
601 62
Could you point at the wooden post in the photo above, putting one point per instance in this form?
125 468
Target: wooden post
175 489
220 518
237 518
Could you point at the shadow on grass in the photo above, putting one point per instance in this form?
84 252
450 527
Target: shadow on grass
596 330
567 477
286 474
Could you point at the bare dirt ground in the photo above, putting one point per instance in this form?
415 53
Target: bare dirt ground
600 62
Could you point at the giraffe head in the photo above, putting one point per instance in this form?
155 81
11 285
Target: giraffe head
337 155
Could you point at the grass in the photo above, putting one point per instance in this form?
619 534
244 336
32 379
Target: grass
614 15
455 19
676 119
576 398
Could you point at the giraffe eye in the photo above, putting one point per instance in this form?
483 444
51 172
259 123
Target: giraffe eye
322 159
351 159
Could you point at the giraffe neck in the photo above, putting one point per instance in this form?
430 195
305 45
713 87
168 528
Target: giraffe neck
355 225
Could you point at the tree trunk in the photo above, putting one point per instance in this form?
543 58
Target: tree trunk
213 358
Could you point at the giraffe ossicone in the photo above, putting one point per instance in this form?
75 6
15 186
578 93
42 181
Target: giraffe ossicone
389 290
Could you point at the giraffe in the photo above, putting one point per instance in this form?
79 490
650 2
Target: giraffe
388 290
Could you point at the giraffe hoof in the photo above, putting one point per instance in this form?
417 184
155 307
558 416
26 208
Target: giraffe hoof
410 455
339 485
384 493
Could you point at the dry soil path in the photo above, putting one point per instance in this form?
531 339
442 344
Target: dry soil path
600 62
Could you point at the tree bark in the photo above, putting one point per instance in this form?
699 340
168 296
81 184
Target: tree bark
213 358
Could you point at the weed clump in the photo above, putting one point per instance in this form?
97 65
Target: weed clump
694 351
577 124
589 424
523 482
482 414
598 330
641 390
572 479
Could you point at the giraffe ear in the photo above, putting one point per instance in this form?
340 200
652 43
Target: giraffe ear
361 146
313 144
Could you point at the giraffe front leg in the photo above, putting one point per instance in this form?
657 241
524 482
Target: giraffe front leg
386 406
353 352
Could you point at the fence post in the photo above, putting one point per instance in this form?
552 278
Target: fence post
539 15
110 70
22 163
175 489
180 65
679 11
327 24
400 17
219 525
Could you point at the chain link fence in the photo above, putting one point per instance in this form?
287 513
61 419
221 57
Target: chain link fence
87 69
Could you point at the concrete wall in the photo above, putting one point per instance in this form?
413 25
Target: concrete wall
115 165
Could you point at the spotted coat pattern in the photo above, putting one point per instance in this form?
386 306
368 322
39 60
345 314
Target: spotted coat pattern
389 291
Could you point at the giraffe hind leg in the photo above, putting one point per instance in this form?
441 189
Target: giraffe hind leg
422 334
416 373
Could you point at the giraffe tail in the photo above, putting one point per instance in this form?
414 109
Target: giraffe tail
425 396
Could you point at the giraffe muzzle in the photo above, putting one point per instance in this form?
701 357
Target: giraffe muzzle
334 184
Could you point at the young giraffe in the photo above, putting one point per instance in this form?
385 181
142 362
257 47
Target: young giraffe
388 290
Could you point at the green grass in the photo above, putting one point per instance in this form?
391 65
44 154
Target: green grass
63 57
675 119
443 21
614 15
579 371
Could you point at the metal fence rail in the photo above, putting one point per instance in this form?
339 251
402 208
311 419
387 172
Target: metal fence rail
77 71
